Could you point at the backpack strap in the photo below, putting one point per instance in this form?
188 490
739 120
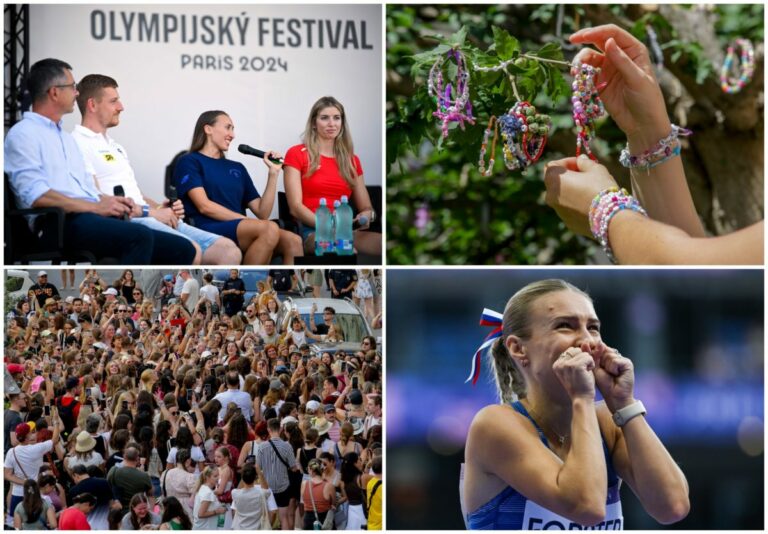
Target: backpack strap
373 492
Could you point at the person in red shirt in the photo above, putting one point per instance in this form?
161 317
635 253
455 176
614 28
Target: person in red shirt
74 517
325 166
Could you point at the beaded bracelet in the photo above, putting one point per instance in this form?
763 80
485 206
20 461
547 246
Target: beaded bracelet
587 106
604 206
513 127
535 135
667 148
448 110
746 66
492 125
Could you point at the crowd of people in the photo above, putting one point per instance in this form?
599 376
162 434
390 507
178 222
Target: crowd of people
186 409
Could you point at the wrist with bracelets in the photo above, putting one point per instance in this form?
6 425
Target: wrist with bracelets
604 206
664 150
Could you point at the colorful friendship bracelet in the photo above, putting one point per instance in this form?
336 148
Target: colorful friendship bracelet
666 149
587 106
536 131
604 206
493 124
746 66
513 126
524 134
449 110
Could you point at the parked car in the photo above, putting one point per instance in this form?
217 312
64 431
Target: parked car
348 316
26 283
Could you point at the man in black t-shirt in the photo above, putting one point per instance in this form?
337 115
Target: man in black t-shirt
87 484
43 290
329 314
232 293
12 418
342 282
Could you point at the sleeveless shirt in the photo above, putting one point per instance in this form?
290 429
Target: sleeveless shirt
511 510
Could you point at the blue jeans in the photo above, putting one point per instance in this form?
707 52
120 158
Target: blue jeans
130 244
201 237
15 500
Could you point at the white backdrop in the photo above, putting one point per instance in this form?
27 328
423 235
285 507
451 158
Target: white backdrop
265 65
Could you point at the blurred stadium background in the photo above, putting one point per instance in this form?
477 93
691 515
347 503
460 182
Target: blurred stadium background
696 338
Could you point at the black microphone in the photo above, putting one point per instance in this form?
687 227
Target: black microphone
173 195
120 192
250 151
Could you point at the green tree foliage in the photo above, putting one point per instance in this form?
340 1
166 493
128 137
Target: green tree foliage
441 210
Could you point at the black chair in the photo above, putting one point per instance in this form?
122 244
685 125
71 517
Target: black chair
43 242
284 213
169 170
375 192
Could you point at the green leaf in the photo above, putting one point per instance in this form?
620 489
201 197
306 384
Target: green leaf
550 51
505 45
458 38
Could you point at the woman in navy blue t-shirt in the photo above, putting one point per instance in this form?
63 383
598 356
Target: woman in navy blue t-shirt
216 192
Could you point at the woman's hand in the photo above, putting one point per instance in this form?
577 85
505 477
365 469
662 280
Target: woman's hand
574 368
571 185
368 214
271 165
614 377
632 95
177 207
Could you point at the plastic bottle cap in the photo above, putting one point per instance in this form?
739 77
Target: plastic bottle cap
344 199
336 203
323 202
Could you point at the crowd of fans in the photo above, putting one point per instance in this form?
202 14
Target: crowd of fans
187 408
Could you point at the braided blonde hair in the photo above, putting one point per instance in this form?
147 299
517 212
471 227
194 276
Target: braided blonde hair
510 383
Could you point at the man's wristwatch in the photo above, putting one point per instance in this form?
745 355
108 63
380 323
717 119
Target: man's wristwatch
145 211
623 416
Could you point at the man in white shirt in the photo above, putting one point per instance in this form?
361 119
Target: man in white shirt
23 461
107 161
210 292
190 291
233 394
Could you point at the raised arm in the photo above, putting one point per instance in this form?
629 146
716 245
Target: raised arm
638 455
504 445
634 99
262 207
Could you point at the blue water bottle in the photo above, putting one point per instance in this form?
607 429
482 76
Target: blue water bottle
344 234
323 229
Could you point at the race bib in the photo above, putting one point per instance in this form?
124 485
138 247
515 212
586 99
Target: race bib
538 518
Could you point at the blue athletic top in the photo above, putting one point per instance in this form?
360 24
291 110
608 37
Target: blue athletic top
511 510
225 182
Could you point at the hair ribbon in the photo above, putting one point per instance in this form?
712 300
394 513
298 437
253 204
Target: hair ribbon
488 318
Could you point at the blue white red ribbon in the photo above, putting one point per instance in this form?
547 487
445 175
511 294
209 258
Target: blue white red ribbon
489 318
